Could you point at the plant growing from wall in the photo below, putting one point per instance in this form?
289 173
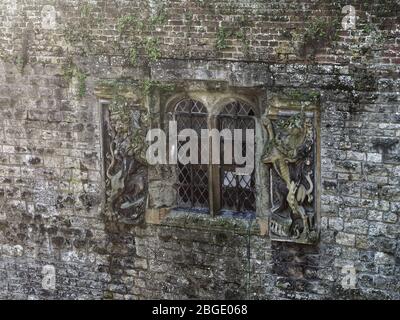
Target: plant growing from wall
301 95
372 42
148 85
242 37
318 31
20 62
152 49
133 56
138 33
130 22
79 32
222 35
72 71
236 31
81 77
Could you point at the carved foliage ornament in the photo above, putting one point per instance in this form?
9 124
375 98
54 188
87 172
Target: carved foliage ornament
290 155
125 130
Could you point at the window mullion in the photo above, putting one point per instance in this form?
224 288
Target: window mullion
213 171
236 126
192 198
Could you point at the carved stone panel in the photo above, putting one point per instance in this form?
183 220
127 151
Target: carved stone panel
291 155
124 132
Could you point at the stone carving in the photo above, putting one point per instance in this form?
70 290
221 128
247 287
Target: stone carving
126 166
290 154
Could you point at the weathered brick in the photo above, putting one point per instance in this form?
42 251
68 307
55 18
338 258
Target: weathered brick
53 213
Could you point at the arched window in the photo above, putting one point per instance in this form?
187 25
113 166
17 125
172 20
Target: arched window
211 186
192 179
237 191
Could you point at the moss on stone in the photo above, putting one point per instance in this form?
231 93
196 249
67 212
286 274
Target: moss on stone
220 42
148 85
301 95
71 71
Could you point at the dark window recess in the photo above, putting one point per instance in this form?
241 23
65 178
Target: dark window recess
237 191
192 184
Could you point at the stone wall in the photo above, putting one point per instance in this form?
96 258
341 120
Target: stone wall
60 60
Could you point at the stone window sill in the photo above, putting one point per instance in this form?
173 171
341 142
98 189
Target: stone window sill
227 221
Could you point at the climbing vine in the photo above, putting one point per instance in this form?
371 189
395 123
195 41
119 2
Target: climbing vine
148 85
79 32
317 32
237 31
137 32
72 71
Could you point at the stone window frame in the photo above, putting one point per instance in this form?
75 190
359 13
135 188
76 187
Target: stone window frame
103 105
215 95
215 105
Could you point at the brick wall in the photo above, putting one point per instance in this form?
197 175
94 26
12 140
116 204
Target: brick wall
55 53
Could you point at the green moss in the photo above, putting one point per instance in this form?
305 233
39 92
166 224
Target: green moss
108 295
189 16
70 71
132 23
79 32
159 18
128 22
133 56
236 31
85 10
148 85
318 31
135 33
242 37
299 95
369 27
81 77
116 89
20 62
218 223
132 29
152 48
371 30
221 39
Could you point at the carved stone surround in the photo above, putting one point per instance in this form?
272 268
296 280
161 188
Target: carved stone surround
291 153
124 127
